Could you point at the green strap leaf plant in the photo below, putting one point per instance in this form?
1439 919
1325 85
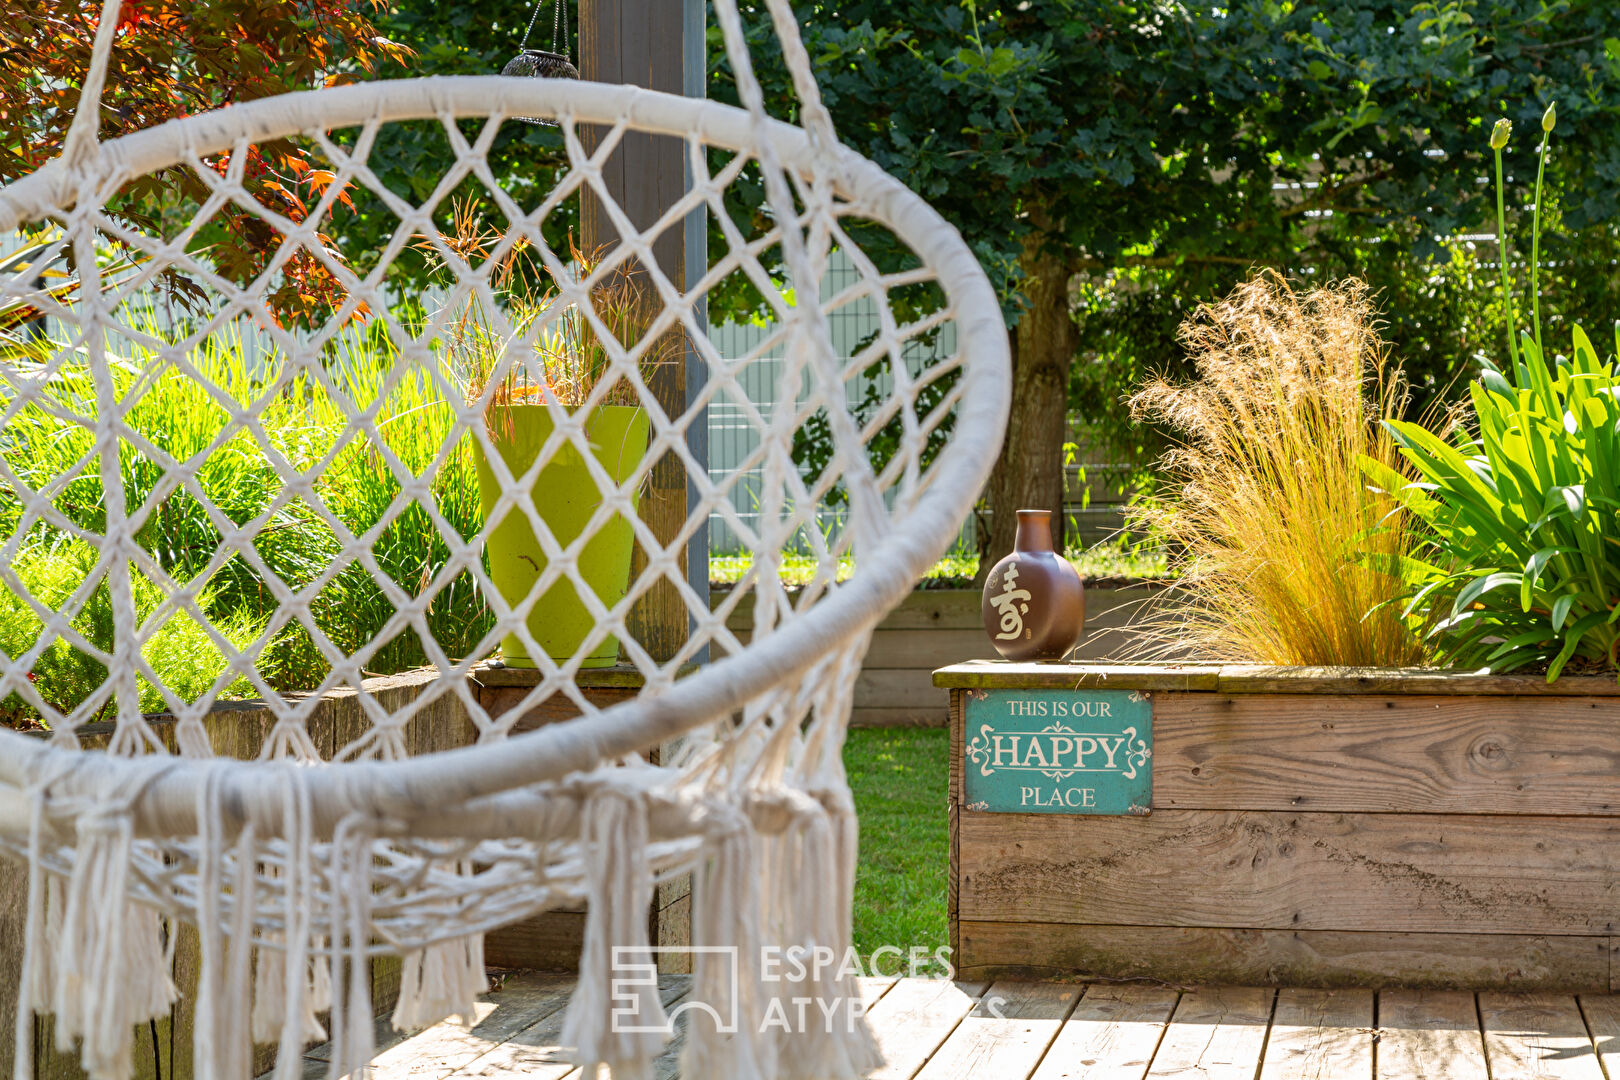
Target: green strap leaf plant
1519 510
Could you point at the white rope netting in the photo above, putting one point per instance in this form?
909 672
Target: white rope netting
299 866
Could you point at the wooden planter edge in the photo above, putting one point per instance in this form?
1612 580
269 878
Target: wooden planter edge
1261 679
1326 827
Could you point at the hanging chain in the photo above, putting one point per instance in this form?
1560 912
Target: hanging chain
559 19
533 15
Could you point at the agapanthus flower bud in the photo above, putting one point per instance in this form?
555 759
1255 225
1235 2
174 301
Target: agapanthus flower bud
1500 133
1550 117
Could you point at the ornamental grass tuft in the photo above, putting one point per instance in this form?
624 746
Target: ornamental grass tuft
1287 556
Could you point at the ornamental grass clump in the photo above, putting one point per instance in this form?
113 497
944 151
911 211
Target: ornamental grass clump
569 359
1520 509
1287 555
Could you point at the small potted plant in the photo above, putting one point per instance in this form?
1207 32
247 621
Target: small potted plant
530 394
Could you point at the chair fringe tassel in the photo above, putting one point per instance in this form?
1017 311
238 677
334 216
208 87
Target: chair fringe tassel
625 1030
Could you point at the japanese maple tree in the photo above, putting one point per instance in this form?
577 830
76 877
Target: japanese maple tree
171 59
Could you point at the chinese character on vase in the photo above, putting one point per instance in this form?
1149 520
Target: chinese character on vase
1034 604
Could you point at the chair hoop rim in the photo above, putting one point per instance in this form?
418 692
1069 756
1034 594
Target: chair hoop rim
882 577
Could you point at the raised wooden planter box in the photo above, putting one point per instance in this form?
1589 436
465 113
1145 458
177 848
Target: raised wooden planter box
1314 827
935 627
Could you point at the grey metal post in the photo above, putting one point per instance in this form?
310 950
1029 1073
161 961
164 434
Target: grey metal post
694 72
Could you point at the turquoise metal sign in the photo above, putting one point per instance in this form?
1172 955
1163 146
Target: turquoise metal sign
1058 751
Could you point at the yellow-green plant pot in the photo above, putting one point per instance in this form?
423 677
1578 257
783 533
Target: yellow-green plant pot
564 496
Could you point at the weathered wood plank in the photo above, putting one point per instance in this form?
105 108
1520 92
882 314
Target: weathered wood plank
667 1065
914 1018
892 688
672 924
151 1052
499 700
384 1037
1537 1037
1320 1033
536 1052
993 674
1006 1034
926 715
440 1050
1215 1034
187 970
1267 870
924 609
1324 958
1429 1035
387 976
926 648
547 942
1107 607
1263 679
873 987
1378 753
13 929
939 647
1251 679
1111 1035
1602 1013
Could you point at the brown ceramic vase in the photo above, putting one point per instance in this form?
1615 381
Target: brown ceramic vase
1034 605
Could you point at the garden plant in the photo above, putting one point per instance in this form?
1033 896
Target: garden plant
1520 507
544 356
47 448
1278 536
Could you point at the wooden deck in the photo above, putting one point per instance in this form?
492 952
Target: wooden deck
937 1030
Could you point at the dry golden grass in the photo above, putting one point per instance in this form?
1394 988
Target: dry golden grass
1287 554
572 359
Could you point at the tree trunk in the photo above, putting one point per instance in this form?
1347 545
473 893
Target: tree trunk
1029 473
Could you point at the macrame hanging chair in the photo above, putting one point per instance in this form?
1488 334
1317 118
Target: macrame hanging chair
298 867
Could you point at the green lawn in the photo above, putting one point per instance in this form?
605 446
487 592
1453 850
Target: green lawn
899 777
1107 561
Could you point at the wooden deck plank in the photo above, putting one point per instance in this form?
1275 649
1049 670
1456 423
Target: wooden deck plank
938 1030
1218 1033
914 1018
1602 1012
1537 1037
1320 1033
535 1053
438 1051
1006 1034
667 1066
873 987
1429 1035
1111 1035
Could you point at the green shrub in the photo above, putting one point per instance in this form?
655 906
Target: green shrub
1521 508
48 446
179 650
1522 516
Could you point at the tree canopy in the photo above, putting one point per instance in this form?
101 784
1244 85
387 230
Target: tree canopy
1113 163
1151 154
172 59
